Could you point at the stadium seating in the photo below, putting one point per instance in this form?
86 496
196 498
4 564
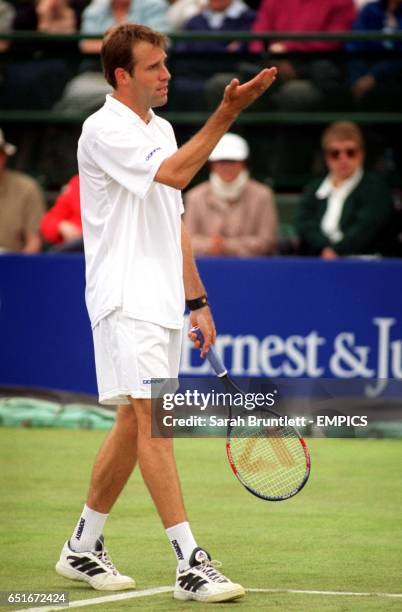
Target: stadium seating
284 143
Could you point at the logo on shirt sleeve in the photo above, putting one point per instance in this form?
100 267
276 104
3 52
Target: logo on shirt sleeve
148 157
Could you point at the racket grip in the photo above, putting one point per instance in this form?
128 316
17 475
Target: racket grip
215 361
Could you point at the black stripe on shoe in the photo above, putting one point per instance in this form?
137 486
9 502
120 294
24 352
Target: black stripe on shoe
88 566
78 561
196 583
93 572
191 582
85 565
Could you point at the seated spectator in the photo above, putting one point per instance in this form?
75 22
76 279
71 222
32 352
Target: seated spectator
218 16
21 206
208 75
51 16
86 92
231 214
6 20
304 83
100 15
39 70
377 81
302 16
181 11
55 17
62 223
311 79
350 212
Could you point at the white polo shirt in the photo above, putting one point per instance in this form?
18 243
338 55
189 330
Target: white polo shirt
131 224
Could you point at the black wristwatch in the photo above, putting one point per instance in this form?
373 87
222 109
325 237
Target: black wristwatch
197 303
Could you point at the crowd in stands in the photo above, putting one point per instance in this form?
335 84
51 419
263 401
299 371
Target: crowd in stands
304 83
230 213
348 212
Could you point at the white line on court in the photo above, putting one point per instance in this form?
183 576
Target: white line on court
167 589
80 603
302 592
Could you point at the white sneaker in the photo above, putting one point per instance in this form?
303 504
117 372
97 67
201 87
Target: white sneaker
203 582
94 567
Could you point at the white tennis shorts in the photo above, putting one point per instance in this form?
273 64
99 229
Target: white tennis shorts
129 353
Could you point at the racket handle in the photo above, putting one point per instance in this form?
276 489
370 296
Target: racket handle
216 362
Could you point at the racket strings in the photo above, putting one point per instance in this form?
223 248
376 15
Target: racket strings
272 462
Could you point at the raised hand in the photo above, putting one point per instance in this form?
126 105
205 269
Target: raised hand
237 97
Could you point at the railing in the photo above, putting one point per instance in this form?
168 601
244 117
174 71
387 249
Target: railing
258 123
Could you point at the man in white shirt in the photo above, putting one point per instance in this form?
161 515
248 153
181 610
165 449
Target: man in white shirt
139 269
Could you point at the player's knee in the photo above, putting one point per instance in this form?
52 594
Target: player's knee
142 409
126 420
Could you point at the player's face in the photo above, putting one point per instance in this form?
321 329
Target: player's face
343 158
150 76
227 170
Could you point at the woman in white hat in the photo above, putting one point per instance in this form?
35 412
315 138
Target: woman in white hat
231 214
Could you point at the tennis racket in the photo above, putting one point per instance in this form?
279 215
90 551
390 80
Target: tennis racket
271 461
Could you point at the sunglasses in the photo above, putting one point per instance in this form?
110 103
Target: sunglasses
350 152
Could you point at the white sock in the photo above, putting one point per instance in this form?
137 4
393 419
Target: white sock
183 543
88 529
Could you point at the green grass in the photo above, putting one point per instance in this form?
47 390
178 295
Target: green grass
342 533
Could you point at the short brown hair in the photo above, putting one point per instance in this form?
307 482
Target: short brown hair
342 130
117 47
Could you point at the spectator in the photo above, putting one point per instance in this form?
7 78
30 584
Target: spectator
313 81
39 71
231 214
218 16
87 91
181 11
100 15
304 82
207 75
62 223
21 206
376 81
349 212
302 16
55 17
51 16
6 20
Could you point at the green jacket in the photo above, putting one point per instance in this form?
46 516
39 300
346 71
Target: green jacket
365 221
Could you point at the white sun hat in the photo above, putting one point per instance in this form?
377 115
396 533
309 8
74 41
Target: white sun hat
230 147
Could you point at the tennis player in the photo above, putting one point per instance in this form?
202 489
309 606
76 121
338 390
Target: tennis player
139 272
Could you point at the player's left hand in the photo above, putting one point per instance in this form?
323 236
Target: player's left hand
203 319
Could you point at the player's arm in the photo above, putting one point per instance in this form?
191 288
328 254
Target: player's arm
178 169
194 288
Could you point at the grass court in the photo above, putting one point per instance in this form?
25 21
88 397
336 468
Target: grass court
341 533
